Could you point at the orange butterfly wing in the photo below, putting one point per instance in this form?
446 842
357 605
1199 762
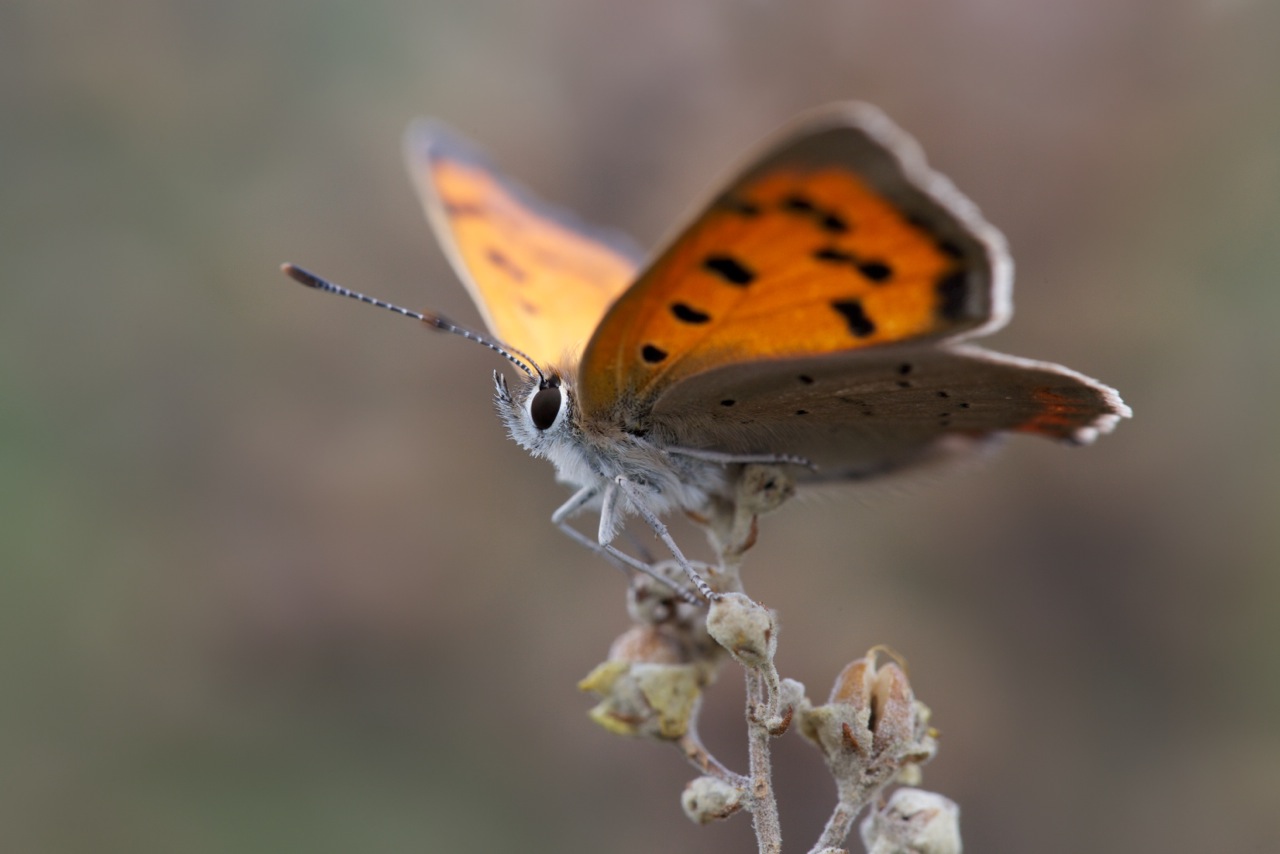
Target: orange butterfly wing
541 279
838 238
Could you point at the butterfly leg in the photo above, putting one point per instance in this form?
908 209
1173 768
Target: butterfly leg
637 498
576 502
616 557
571 508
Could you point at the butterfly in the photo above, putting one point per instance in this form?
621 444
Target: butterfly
814 314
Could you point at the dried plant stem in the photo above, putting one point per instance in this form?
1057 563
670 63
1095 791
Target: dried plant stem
872 732
764 805
698 755
838 826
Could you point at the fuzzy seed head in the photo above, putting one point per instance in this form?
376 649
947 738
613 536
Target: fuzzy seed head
914 822
745 628
708 799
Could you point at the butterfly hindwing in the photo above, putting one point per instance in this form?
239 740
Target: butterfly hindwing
838 238
867 412
540 277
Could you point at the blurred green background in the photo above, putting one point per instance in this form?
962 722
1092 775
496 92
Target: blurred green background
273 579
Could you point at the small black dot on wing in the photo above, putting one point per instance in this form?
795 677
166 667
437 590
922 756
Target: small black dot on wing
833 255
796 203
833 223
855 316
651 354
499 259
877 272
688 314
729 269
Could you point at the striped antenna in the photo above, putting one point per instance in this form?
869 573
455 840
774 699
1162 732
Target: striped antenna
435 321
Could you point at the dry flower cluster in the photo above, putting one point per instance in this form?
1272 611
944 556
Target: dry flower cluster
872 731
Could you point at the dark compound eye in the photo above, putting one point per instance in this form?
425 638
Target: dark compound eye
545 406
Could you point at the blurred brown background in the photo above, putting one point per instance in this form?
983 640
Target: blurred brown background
273 579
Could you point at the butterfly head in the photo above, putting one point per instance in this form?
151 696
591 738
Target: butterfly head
539 411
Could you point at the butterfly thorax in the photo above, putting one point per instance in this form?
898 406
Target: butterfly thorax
595 452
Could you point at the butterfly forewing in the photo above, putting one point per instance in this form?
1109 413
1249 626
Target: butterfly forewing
540 277
839 238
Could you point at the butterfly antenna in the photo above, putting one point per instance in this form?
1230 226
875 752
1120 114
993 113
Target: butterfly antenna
435 321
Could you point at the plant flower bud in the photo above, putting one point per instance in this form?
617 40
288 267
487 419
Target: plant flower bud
708 799
913 822
871 729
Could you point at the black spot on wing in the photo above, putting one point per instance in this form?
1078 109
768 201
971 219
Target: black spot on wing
828 220
687 314
727 402
856 316
833 223
797 203
863 406
730 269
832 255
806 379
651 354
498 259
877 271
